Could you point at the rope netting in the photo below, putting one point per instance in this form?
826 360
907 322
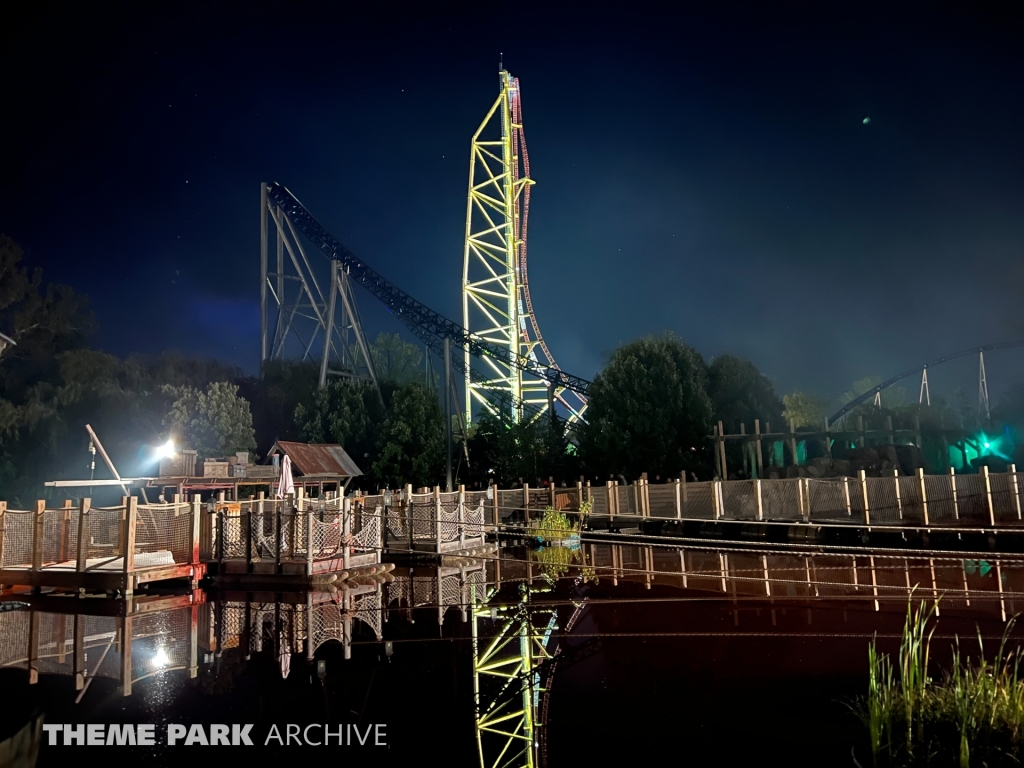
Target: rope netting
163 534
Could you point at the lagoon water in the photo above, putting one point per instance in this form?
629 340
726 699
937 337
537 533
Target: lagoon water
661 655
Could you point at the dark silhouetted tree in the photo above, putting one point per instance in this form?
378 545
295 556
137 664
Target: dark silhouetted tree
649 411
411 444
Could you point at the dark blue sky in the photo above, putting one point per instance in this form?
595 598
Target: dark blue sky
704 170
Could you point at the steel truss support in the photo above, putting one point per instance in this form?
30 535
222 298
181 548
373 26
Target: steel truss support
510 678
297 317
983 403
496 303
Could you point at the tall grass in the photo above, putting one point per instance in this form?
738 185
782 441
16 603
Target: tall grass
974 715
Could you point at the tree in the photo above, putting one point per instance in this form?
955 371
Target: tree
649 411
412 440
396 360
740 394
43 319
215 422
348 412
803 410
275 395
510 453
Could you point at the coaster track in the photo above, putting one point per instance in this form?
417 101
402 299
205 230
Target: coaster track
429 326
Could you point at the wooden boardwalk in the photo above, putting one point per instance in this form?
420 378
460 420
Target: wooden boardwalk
100 548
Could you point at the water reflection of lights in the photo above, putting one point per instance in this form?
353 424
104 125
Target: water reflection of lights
160 659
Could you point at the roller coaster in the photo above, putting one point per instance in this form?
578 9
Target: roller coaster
505 361
498 348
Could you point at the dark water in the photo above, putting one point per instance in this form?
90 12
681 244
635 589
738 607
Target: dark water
660 655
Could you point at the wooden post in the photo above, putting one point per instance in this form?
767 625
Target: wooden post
888 425
956 501
804 487
495 509
437 517
860 428
278 538
346 531
745 444
792 442
899 501
828 441
760 506
193 642
679 496
65 537
864 496
126 655
526 504
924 495
409 510
551 488
988 495
131 517
33 647
645 499
37 535
462 514
261 504
610 491
579 494
1013 487
999 581
717 454
721 448
716 498
846 496
309 547
83 535
78 651
3 524
757 448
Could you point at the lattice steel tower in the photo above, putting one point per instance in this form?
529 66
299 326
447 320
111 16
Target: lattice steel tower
496 303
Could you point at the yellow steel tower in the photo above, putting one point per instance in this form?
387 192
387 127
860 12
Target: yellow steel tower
496 303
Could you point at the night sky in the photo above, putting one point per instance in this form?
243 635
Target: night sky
707 171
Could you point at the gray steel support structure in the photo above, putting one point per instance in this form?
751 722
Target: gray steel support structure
297 317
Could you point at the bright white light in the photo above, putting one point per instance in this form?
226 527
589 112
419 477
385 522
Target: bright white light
166 450
160 659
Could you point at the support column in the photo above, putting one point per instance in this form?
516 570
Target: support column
448 412
263 274
329 327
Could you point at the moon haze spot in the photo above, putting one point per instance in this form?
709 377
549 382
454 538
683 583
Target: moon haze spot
867 120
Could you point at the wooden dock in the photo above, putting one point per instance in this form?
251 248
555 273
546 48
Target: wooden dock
292 542
100 548
436 522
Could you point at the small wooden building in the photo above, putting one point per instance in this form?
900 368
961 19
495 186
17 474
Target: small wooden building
323 466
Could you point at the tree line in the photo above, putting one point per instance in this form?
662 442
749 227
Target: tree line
652 407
